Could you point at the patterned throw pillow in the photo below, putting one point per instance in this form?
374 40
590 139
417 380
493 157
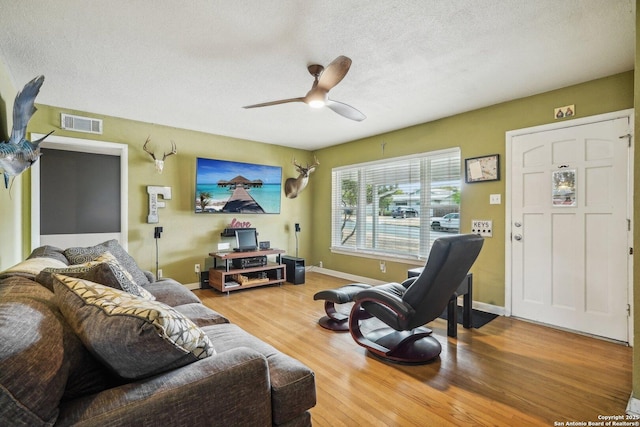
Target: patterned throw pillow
79 255
134 337
105 269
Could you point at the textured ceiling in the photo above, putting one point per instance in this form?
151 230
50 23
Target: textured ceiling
194 64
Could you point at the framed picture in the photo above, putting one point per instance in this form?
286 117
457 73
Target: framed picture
482 169
234 187
563 183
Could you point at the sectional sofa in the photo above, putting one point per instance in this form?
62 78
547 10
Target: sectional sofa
88 338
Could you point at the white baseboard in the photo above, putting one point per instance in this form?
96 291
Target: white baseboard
192 286
346 276
633 406
488 308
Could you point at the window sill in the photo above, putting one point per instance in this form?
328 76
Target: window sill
383 256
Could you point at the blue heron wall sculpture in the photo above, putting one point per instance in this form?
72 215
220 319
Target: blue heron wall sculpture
18 154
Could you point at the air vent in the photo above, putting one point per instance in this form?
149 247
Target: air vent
80 124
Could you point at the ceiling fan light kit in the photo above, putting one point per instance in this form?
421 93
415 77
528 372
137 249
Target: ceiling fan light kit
318 103
316 98
324 81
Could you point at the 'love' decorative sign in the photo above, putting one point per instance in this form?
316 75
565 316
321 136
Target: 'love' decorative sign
239 224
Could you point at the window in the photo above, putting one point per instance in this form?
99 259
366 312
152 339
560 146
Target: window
387 208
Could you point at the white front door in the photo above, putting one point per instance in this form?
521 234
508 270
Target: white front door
570 227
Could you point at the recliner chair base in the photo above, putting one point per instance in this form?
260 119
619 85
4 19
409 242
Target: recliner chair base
408 347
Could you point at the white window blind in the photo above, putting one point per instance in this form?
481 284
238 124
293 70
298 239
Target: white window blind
385 208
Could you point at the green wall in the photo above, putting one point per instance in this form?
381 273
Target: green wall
477 133
10 202
188 237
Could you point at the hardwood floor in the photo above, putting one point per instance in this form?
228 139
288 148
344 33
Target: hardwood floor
507 373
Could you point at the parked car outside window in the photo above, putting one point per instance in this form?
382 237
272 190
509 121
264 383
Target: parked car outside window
450 221
404 213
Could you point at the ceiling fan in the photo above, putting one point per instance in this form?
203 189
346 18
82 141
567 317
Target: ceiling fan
318 96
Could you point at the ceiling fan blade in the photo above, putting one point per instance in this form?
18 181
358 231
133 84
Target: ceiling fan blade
334 73
282 101
346 110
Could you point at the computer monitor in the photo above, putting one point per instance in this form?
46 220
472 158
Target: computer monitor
246 240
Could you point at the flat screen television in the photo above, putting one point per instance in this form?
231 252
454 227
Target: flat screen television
246 240
224 186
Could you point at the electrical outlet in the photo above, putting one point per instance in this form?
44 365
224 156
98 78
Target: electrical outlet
196 268
383 266
159 273
320 264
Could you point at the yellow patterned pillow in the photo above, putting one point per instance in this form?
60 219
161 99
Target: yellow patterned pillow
133 336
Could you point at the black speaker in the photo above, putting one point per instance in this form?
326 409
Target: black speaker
298 277
295 269
204 280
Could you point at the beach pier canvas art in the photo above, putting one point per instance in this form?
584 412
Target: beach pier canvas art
234 187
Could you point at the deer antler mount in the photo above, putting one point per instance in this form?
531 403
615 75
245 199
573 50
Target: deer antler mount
160 162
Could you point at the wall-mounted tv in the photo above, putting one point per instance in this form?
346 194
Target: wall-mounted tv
233 187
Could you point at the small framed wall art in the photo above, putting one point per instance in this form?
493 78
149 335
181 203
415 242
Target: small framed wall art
482 169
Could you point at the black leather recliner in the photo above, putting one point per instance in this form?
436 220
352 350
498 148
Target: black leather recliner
405 307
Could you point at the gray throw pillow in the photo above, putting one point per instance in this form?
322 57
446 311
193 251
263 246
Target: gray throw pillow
80 255
134 337
105 269
48 251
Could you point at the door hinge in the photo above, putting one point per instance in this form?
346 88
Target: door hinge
627 136
630 251
628 309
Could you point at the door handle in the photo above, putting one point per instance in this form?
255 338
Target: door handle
518 237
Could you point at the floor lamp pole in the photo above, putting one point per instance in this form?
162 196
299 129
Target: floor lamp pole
156 234
297 228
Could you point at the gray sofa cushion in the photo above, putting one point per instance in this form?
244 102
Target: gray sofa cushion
171 292
293 388
105 269
80 255
230 389
200 314
134 337
49 252
41 360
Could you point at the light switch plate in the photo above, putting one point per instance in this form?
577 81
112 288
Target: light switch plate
495 199
482 227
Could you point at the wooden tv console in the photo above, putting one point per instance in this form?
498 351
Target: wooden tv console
225 277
